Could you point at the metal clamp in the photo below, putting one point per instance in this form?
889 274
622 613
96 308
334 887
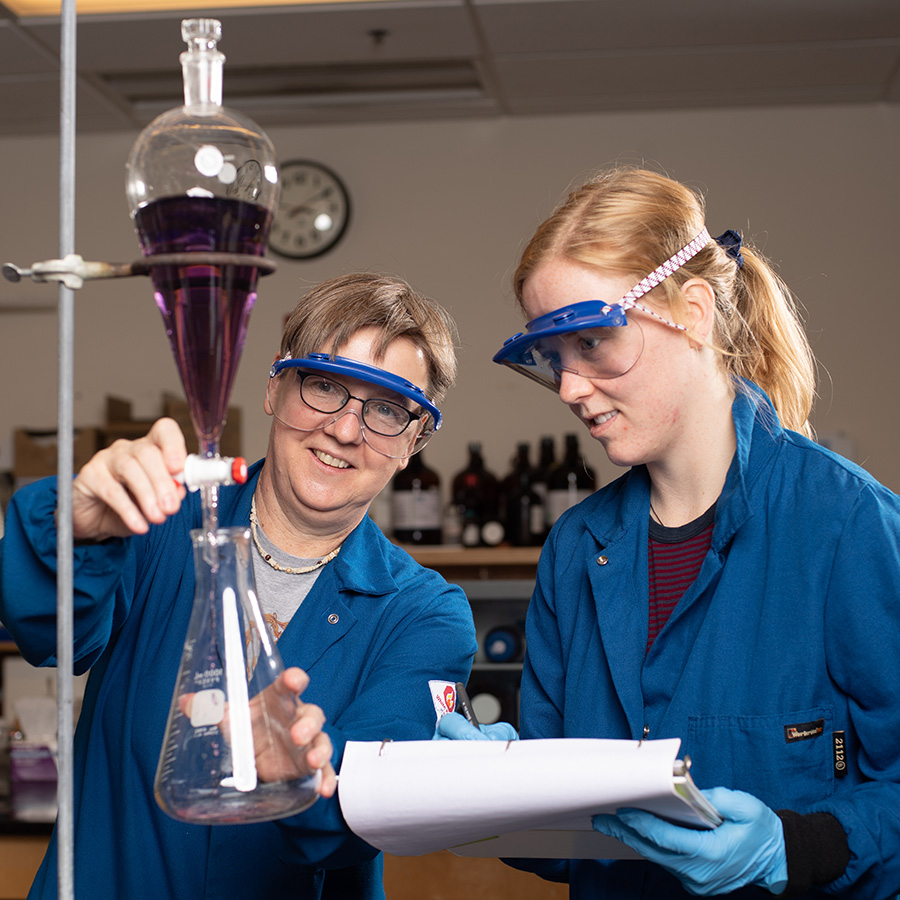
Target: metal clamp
73 271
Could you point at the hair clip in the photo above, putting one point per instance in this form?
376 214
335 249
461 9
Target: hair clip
730 242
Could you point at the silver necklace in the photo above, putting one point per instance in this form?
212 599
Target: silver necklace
290 570
653 512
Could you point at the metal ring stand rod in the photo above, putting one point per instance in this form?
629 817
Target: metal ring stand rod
64 550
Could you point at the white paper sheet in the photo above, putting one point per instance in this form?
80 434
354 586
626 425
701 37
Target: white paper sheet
413 797
568 840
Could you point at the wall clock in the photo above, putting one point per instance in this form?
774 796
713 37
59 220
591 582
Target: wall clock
313 210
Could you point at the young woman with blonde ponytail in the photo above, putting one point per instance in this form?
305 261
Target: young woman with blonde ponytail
737 587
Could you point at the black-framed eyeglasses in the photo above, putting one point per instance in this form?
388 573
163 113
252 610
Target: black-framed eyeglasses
310 401
384 417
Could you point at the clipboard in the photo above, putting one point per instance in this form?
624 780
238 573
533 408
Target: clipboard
530 798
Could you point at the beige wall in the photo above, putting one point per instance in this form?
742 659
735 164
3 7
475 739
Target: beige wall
447 205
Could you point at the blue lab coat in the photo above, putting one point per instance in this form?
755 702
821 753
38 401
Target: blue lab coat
792 623
397 626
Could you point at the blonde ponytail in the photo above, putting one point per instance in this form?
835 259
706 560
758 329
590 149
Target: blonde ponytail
773 350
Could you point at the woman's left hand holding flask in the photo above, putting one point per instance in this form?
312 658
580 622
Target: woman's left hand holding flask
302 727
287 732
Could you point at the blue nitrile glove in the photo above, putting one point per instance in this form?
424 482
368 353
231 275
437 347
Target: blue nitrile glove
454 727
747 848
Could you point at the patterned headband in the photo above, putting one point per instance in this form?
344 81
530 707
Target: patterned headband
662 272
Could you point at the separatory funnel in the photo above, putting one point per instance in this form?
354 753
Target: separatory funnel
204 180
202 184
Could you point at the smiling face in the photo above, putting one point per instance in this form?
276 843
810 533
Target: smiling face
322 482
647 414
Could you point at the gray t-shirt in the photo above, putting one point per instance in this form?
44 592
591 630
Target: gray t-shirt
280 593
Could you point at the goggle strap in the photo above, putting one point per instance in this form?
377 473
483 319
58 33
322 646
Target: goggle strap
669 267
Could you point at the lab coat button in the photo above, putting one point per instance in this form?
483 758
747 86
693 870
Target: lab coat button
602 560
334 618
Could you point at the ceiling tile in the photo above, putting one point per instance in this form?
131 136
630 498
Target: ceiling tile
413 59
520 26
32 107
20 55
844 71
307 36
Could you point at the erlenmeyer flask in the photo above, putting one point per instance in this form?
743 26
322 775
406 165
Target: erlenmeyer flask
203 179
223 726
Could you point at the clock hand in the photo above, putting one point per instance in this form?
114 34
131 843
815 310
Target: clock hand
305 206
323 193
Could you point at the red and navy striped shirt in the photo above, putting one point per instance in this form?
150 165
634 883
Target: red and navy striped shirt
676 555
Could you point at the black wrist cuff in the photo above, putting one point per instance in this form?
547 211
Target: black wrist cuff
816 850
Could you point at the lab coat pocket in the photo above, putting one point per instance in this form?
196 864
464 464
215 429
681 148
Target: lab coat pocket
784 759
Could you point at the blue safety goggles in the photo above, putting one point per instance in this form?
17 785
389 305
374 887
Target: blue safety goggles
592 339
381 427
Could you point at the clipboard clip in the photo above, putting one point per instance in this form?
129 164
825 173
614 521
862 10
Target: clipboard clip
682 766
387 741
644 734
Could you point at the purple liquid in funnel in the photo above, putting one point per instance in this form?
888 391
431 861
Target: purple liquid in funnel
205 308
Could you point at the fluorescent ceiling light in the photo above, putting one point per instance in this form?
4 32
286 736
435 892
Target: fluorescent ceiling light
23 8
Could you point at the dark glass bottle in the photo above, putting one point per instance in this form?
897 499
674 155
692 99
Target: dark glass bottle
520 464
570 482
522 508
475 494
416 509
540 476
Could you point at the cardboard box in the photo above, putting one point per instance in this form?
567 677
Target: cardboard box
21 680
120 424
35 452
230 442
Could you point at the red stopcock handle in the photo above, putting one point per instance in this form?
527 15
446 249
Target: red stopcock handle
202 470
